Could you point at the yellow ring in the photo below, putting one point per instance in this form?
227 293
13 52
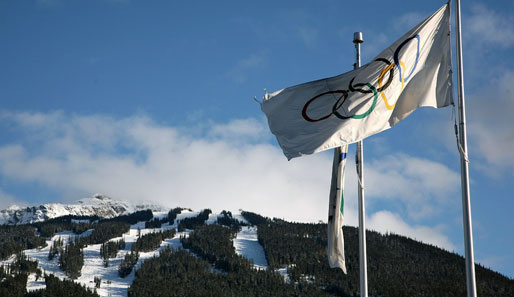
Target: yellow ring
381 76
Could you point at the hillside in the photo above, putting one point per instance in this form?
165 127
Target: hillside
185 253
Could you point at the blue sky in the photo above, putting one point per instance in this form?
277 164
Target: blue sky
153 101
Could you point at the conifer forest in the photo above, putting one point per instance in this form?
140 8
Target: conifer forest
207 263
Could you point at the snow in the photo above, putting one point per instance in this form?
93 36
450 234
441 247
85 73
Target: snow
186 214
100 205
35 284
284 274
213 218
86 233
47 266
14 207
238 216
79 221
247 245
160 214
308 278
112 284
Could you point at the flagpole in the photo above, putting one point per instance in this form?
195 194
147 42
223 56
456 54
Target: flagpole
466 203
357 39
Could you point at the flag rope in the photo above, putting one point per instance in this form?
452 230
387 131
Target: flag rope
357 169
459 146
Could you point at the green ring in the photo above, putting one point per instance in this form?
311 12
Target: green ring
360 116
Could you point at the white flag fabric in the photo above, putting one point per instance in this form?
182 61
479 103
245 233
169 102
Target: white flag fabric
414 71
336 210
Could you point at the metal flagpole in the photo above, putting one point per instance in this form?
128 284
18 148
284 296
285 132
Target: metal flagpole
357 39
466 204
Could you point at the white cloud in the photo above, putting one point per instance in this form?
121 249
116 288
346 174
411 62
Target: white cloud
376 42
137 159
490 125
422 185
496 262
385 222
308 35
216 165
6 199
424 188
408 20
240 129
487 27
239 72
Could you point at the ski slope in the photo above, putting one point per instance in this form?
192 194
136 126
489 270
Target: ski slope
246 244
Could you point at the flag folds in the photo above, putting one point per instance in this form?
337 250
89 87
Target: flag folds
336 210
414 71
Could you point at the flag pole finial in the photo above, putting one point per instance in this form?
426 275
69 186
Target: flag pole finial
357 37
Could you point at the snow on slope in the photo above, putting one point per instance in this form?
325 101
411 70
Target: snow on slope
248 246
245 244
112 284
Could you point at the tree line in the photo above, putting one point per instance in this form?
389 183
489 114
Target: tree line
211 268
109 249
145 243
193 222
397 265
14 282
14 239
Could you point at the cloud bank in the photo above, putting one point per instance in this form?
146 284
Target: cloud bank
490 125
220 166
488 27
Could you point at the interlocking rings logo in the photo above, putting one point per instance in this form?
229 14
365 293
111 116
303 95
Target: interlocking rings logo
340 96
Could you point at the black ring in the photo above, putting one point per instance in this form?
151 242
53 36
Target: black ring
354 88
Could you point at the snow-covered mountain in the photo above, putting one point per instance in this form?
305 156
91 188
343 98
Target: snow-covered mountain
99 205
245 244
191 260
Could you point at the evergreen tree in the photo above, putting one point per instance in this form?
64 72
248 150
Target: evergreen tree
55 248
110 249
225 218
172 215
192 223
61 288
72 260
14 239
152 241
128 263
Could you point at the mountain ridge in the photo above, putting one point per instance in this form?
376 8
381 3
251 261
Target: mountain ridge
230 254
98 205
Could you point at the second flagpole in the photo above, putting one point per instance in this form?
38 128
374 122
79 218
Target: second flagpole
466 202
357 40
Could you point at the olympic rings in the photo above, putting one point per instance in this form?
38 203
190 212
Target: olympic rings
389 107
352 87
304 110
358 116
397 52
358 87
